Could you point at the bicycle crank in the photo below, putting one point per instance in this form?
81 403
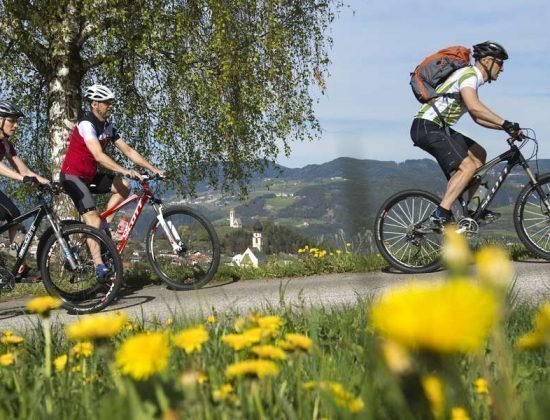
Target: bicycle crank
468 226
7 280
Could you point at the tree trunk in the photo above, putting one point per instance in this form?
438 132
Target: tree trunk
64 75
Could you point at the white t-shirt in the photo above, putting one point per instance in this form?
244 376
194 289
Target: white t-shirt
452 109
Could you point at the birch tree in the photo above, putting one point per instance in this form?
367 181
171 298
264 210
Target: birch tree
208 89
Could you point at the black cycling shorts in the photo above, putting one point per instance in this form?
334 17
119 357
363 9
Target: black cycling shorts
448 149
81 191
8 210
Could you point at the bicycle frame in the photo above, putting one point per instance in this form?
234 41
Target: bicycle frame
513 157
143 197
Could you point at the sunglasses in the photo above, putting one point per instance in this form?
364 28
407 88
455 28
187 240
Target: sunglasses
12 120
499 62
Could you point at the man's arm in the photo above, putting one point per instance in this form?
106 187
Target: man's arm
478 111
135 157
103 159
25 171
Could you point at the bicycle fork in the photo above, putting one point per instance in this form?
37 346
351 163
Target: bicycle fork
64 246
170 231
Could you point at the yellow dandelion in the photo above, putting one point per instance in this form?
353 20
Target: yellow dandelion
223 393
306 248
444 317
270 323
202 377
192 377
239 324
211 319
341 396
259 368
269 352
348 244
397 357
456 252
169 321
11 339
144 355
7 359
295 341
540 336
331 254
60 362
300 250
433 389
240 341
459 413
493 265
482 386
43 305
82 349
191 339
338 252
95 327
7 333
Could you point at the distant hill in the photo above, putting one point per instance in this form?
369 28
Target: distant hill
340 197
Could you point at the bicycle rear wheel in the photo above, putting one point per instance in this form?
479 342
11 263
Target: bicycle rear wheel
80 289
403 233
532 218
197 260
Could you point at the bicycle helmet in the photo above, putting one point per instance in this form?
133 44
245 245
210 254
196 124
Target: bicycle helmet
8 109
99 93
491 49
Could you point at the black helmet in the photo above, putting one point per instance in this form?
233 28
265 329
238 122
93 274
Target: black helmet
491 49
7 109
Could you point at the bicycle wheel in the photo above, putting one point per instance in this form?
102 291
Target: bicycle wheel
197 260
80 289
403 234
532 218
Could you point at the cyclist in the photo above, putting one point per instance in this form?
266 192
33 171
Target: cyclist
9 122
87 145
457 155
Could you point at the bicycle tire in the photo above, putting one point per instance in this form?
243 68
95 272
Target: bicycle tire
531 223
193 267
80 291
404 248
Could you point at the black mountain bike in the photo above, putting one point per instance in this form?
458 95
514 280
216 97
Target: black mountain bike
64 259
409 242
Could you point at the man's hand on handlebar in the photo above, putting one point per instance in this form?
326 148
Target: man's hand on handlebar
133 174
513 129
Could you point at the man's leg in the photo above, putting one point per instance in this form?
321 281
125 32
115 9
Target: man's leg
121 189
459 181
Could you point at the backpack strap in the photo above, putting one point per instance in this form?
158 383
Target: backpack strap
456 96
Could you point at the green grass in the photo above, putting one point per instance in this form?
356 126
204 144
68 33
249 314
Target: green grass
344 351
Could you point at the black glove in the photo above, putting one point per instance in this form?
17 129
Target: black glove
511 128
31 180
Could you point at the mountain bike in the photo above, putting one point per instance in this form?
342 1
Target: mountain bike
64 258
181 244
409 242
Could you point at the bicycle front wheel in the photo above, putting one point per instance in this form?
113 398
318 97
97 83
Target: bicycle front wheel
532 218
193 258
80 289
403 233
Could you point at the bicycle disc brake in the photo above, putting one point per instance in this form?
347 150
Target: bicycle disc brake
7 280
468 226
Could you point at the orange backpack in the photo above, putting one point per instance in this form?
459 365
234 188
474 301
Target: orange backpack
433 71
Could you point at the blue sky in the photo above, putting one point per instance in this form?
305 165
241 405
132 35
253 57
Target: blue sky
368 107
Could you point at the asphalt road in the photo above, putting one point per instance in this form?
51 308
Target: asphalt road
533 285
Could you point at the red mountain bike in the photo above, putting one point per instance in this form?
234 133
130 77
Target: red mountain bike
181 244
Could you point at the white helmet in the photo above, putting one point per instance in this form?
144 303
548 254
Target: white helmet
99 93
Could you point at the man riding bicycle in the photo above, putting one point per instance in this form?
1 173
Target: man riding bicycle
90 137
457 155
9 122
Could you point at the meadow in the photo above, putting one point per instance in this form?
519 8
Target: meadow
461 347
